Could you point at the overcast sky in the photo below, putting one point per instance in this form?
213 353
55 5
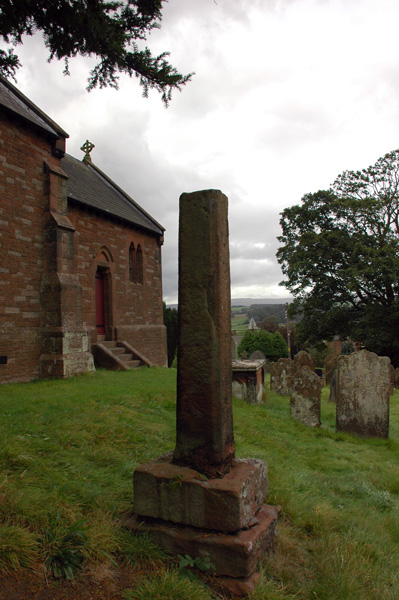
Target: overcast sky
286 95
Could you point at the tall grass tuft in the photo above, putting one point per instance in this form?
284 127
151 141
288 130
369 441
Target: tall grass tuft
62 547
18 548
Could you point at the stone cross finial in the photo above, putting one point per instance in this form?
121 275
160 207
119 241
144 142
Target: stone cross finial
87 148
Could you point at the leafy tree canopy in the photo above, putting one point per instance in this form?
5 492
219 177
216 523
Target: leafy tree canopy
272 345
340 255
108 30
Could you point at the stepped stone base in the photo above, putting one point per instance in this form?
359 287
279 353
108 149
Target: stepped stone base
235 555
225 519
163 490
239 586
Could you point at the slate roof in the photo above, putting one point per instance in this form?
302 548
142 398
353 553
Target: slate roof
91 187
14 101
86 184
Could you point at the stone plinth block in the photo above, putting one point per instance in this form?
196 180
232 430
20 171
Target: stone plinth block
163 490
240 586
234 555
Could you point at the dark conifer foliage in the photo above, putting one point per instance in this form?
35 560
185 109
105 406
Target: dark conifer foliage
108 30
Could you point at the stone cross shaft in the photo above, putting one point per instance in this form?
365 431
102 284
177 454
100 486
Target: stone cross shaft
204 429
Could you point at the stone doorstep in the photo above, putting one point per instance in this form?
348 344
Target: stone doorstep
234 555
163 490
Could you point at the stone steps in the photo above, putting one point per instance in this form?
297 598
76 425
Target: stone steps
113 354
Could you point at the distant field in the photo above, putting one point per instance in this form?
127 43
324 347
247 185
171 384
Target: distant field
238 321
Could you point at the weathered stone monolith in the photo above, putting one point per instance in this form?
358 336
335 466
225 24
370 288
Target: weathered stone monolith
363 383
204 428
201 499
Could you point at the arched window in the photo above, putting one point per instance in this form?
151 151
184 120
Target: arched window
139 265
132 263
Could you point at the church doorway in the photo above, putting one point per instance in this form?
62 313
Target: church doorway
100 302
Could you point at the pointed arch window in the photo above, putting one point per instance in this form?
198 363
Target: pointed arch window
139 265
132 263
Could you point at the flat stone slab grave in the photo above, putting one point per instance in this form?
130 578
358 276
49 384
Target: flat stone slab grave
248 379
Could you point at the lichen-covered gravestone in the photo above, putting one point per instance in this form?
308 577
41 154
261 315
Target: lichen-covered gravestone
280 374
201 500
363 383
305 395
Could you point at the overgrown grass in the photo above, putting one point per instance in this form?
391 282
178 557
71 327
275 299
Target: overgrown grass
68 450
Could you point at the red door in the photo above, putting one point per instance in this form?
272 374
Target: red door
100 303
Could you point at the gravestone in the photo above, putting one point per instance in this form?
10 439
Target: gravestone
396 379
391 379
303 359
333 387
305 397
330 365
280 373
363 382
201 499
257 355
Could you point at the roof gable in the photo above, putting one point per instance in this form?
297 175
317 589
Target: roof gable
12 100
89 186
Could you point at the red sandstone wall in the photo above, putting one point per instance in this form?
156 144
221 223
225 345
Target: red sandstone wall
135 313
22 203
136 309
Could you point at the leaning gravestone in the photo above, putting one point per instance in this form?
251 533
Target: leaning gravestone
363 382
202 500
305 397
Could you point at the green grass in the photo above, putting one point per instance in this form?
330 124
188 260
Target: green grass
239 325
68 450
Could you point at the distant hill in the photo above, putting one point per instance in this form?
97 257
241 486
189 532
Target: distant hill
250 301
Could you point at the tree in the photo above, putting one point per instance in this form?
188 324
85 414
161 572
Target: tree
272 345
340 255
108 30
170 321
269 325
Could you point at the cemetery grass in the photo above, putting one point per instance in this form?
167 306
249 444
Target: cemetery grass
68 450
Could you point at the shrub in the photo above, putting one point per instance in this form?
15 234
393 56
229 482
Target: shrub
272 345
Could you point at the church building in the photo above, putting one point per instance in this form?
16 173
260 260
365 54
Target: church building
80 269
